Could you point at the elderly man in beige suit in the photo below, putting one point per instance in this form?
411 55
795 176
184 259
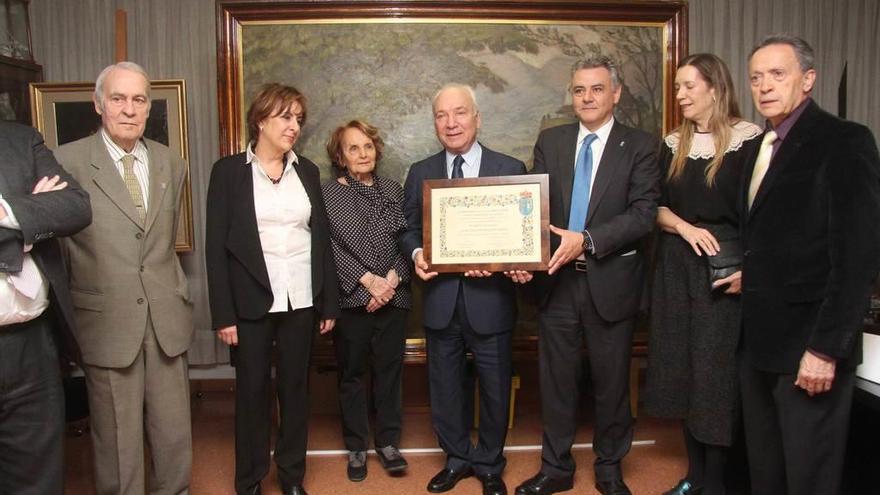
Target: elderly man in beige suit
130 296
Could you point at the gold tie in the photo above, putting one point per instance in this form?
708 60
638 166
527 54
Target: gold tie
762 163
133 186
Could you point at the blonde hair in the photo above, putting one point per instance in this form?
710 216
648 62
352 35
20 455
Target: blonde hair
725 113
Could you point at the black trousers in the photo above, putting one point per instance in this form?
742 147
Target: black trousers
291 333
358 337
567 323
796 443
447 378
31 410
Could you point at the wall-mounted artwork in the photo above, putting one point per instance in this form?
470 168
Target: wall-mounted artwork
357 60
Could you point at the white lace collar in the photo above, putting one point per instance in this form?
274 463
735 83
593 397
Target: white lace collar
703 145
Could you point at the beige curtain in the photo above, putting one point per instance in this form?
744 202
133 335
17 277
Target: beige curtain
74 40
840 31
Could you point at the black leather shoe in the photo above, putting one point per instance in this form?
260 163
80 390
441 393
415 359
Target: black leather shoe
295 490
392 460
254 490
542 484
613 487
684 487
492 484
446 479
357 466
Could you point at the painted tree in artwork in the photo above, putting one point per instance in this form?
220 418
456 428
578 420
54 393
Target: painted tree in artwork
387 74
637 51
362 67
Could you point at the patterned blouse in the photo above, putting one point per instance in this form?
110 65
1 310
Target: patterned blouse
365 222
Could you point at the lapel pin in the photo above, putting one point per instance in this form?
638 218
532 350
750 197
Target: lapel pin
621 143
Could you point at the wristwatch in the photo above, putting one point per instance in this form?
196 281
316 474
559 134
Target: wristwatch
588 243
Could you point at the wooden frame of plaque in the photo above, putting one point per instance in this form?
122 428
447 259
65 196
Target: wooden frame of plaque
448 218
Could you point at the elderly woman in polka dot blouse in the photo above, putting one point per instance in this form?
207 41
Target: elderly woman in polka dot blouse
365 216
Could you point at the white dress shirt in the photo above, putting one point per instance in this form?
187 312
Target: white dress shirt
23 295
141 167
597 146
471 166
283 212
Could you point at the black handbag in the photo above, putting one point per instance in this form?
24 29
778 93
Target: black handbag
724 264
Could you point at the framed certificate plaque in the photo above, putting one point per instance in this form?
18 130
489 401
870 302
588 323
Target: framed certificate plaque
487 223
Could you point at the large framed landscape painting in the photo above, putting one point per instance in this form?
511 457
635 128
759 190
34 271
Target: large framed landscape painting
383 61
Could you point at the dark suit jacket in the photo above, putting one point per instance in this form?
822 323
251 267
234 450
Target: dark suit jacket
811 244
24 160
238 282
622 211
491 301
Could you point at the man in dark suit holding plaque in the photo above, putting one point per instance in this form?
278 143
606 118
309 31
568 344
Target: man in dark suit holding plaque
474 311
811 202
604 188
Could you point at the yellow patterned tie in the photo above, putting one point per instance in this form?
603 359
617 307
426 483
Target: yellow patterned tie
133 186
762 163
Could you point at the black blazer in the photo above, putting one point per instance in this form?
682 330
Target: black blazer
238 282
811 244
622 211
24 160
490 303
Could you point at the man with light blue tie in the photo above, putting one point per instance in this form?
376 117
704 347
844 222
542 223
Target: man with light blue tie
604 187
473 311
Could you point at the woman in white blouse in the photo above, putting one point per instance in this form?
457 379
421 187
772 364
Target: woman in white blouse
272 280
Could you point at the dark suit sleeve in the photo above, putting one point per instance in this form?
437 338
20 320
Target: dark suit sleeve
216 232
644 191
411 238
51 214
854 239
539 165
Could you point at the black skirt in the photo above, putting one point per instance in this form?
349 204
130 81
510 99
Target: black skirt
692 347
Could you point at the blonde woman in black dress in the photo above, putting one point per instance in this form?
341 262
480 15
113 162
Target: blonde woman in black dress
695 321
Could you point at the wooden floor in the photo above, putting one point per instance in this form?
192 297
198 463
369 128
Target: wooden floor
655 463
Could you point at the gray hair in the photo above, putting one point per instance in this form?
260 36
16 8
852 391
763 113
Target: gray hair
802 50
596 62
99 82
462 87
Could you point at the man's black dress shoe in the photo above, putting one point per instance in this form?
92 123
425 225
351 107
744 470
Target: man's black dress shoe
613 487
492 484
295 490
254 490
446 479
684 487
541 484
